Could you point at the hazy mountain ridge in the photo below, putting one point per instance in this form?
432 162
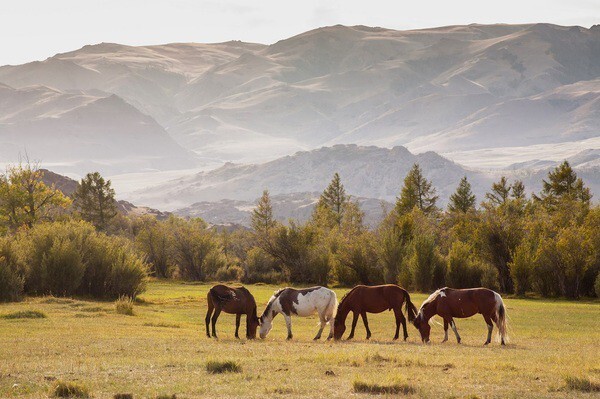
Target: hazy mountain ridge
444 89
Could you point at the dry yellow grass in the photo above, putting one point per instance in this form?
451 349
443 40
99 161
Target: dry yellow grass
89 343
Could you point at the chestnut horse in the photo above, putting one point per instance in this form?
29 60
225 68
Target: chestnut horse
233 300
363 299
449 303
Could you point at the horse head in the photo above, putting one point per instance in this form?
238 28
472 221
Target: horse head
339 327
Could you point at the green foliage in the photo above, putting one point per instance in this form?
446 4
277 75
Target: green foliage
262 267
261 219
333 201
378 389
67 389
581 384
462 271
25 199
154 240
124 306
597 285
64 258
12 274
416 192
219 367
25 314
521 267
563 184
463 200
229 273
424 262
392 245
95 200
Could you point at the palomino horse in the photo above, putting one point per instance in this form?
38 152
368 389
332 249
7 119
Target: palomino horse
305 302
449 303
233 300
363 299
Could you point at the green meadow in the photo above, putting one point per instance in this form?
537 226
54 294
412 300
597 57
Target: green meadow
162 350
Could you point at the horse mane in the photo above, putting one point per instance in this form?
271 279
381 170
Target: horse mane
273 297
432 298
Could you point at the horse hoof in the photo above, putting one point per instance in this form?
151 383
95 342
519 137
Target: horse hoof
486 342
289 337
396 338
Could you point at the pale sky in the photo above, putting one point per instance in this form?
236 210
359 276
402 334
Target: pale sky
36 29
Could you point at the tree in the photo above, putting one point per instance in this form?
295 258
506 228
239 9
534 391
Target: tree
518 190
563 184
95 200
334 200
416 192
261 218
500 192
463 200
25 198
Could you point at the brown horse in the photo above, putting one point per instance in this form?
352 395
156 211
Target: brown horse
233 300
449 303
363 299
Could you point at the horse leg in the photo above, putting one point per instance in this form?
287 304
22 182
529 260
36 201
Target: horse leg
403 321
214 321
490 327
331 322
321 327
364 317
237 324
207 319
398 313
445 331
354 321
453 325
288 323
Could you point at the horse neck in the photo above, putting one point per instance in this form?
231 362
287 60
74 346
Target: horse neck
429 311
343 310
272 306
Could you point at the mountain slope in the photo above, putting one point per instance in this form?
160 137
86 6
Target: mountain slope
79 132
447 89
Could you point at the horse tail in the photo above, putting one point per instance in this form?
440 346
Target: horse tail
411 309
332 307
501 320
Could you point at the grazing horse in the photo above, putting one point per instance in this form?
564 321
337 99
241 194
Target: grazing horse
449 303
363 299
304 302
233 300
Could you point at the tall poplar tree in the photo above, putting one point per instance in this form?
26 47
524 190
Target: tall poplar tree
95 200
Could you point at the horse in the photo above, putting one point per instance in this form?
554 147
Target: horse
363 299
449 303
233 300
303 302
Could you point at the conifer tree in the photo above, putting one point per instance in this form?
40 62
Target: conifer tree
416 192
463 200
95 200
518 190
500 192
334 199
563 183
262 216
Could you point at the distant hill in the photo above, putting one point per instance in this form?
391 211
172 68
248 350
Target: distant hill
368 172
81 132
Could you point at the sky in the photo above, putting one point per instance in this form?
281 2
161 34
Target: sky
37 29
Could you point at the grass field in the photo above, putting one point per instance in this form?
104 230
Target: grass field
163 350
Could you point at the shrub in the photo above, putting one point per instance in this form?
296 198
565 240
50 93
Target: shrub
218 367
24 314
12 272
123 396
461 270
124 305
521 266
376 389
167 396
63 389
261 267
581 384
424 262
65 258
597 285
229 273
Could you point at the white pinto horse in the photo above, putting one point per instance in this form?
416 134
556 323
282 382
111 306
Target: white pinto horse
305 302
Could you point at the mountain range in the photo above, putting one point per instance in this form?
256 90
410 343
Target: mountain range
515 97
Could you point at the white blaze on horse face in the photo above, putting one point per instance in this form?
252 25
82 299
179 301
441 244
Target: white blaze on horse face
265 327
